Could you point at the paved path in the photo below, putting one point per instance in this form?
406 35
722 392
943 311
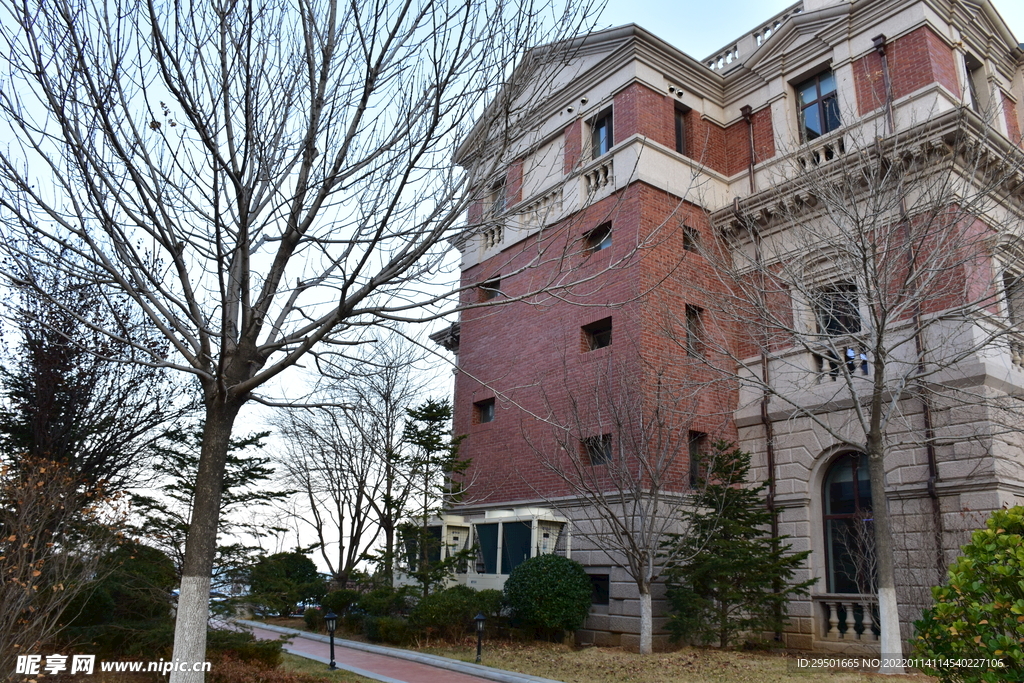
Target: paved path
386 664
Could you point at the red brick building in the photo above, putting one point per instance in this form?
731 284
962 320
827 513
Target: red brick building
641 172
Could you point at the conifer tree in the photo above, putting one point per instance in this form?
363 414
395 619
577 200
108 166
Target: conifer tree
736 578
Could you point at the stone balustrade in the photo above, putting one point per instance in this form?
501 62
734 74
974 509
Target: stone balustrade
848 617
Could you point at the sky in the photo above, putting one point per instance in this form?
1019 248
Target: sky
701 27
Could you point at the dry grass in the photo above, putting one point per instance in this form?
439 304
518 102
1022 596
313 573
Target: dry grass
301 665
687 665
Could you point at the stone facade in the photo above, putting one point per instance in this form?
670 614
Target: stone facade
697 148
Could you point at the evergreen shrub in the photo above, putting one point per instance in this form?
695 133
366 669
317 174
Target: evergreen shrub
979 613
548 594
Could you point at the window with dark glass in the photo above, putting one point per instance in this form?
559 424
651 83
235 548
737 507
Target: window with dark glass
819 106
489 289
695 334
691 239
599 238
977 86
498 198
836 309
849 526
598 449
680 126
601 139
698 441
600 589
515 545
597 335
484 410
1013 286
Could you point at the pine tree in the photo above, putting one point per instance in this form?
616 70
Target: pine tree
735 578
436 472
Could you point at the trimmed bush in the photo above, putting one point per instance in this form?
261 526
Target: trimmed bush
979 612
386 630
490 602
314 619
448 613
549 593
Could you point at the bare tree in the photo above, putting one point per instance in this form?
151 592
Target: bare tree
623 449
863 283
259 179
345 456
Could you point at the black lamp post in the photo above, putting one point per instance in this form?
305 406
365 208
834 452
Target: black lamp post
479 619
331 621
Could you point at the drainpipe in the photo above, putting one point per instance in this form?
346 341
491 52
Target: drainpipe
919 346
748 116
766 423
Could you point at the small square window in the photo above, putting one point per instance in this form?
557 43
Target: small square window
691 239
601 139
597 335
695 334
599 238
598 449
489 289
484 410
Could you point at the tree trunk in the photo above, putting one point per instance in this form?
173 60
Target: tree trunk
201 543
888 613
646 620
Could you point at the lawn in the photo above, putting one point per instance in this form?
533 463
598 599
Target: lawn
615 665
686 665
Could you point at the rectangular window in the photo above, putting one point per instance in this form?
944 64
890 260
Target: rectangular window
599 238
600 589
819 106
977 86
597 335
489 289
836 309
601 139
497 198
697 444
598 449
680 121
1013 286
484 410
695 335
691 239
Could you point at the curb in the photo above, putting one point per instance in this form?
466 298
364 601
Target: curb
431 660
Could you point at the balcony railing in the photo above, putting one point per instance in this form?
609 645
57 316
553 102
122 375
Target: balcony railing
848 617
1017 354
599 177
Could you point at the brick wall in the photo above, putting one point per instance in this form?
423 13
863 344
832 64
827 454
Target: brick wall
916 60
528 355
1012 125
638 110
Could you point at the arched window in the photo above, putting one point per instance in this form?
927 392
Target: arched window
849 528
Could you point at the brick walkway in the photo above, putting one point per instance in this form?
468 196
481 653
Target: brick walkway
388 664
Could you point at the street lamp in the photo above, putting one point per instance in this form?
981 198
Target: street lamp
331 621
479 619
